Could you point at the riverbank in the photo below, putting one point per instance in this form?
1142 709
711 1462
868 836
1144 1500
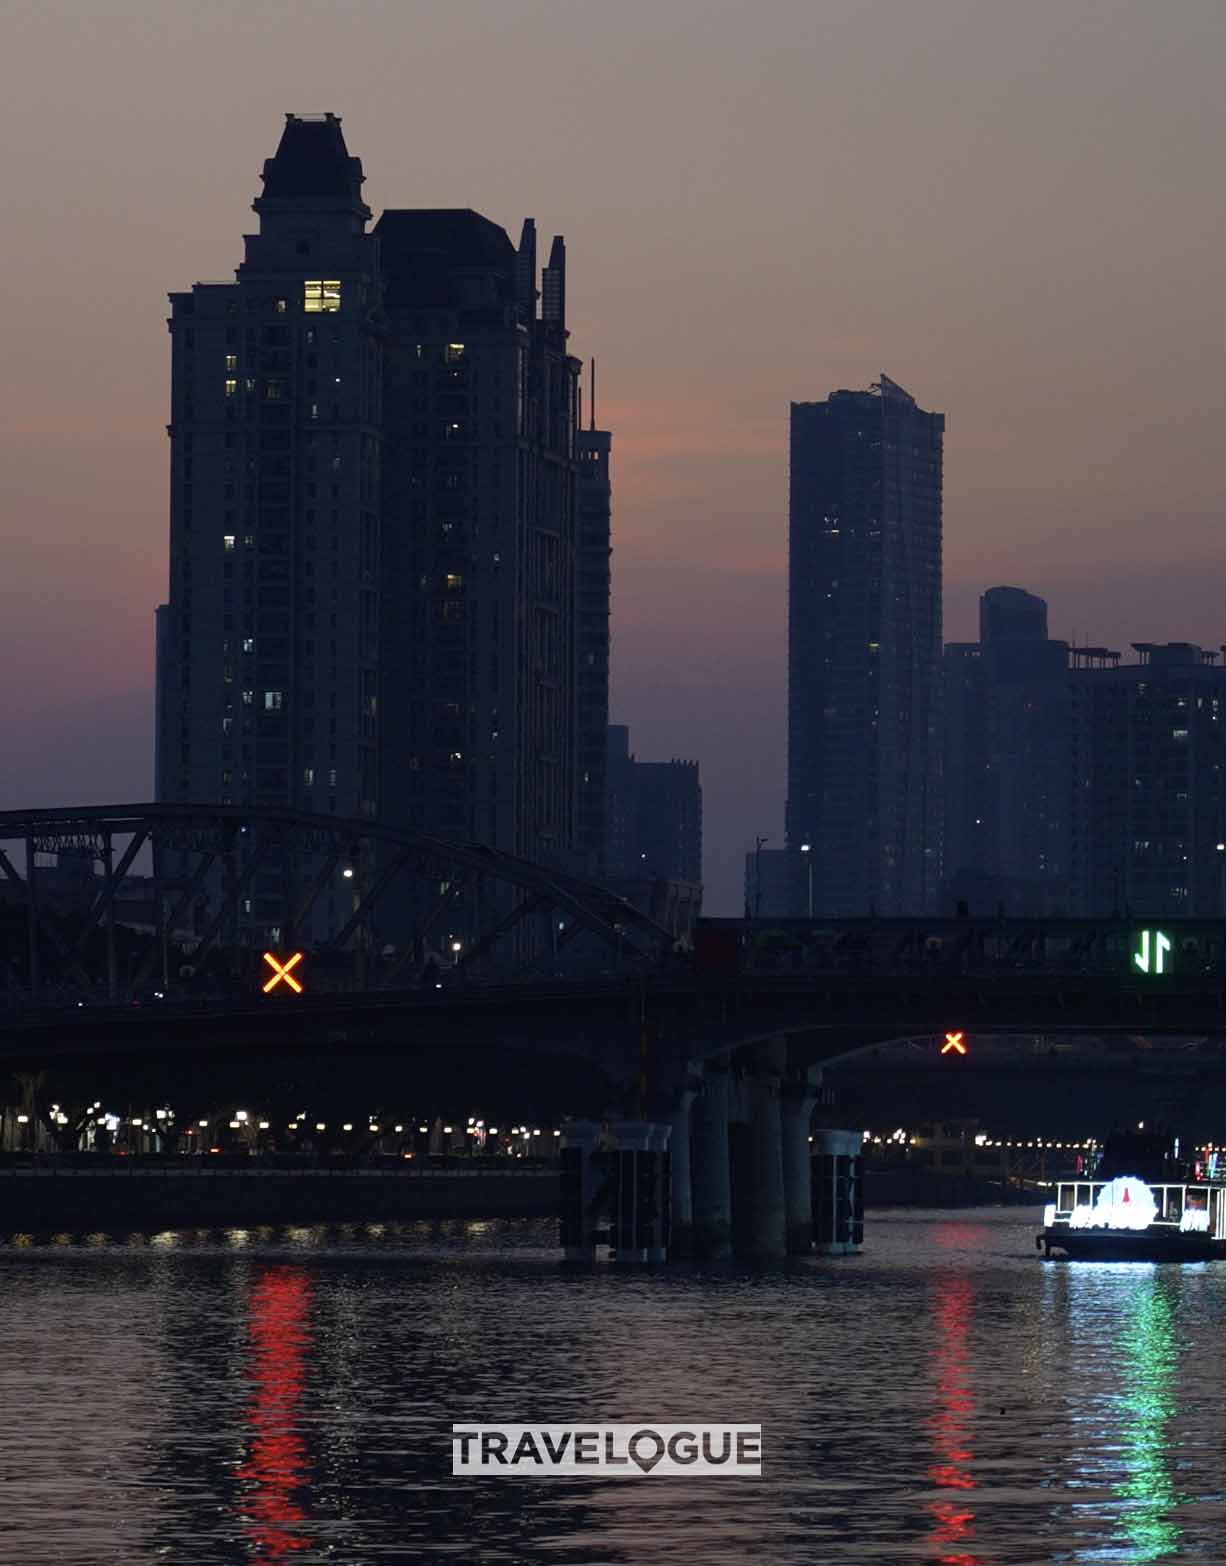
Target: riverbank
188 1192
905 1187
63 1193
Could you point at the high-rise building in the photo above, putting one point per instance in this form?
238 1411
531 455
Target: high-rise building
375 454
1008 759
1078 784
654 816
270 641
592 693
1149 795
864 649
480 556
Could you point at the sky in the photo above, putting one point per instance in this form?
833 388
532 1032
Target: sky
1016 211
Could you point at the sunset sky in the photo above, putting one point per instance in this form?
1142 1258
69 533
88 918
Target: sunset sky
1015 210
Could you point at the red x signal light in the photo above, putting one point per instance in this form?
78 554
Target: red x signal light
955 1044
281 972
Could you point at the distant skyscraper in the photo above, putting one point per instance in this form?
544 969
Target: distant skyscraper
654 814
1008 760
1008 614
1149 796
864 649
374 553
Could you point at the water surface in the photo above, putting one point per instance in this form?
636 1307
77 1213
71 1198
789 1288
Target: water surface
269 1396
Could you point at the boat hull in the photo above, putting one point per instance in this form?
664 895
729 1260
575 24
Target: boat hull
1116 1245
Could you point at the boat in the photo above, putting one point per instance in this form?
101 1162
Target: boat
1140 1204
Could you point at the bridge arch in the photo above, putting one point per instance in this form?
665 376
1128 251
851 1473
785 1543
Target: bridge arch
225 847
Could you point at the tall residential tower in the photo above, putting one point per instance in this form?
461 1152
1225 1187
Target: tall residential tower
864 650
374 539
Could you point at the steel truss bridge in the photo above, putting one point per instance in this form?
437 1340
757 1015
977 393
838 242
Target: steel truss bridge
508 905
549 961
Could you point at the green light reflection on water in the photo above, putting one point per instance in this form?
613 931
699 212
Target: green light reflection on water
1147 1405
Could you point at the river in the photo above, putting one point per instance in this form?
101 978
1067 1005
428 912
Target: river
287 1395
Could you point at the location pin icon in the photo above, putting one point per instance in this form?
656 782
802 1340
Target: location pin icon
649 1461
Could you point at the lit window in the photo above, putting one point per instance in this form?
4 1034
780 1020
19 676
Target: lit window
274 701
228 542
320 295
454 581
454 352
308 776
231 388
281 306
248 644
231 362
248 698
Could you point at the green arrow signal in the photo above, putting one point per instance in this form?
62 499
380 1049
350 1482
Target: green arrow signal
1162 945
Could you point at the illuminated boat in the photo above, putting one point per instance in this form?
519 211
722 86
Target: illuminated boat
1141 1205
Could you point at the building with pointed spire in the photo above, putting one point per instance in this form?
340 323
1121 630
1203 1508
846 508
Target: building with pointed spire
375 456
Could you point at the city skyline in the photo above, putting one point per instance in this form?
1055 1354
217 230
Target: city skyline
1039 261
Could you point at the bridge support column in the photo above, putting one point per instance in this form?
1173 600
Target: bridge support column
579 1182
838 1205
799 1096
765 1235
681 1189
712 1176
638 1229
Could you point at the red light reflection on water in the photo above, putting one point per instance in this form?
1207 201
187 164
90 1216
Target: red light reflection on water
276 1467
953 1521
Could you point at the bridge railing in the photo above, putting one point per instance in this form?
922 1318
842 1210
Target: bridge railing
900 947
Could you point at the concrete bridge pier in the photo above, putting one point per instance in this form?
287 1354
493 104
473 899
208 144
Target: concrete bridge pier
799 1096
632 1139
579 1183
764 1234
838 1202
712 1172
681 1186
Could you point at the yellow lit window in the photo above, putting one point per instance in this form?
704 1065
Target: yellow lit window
454 582
231 361
228 542
321 294
231 388
454 353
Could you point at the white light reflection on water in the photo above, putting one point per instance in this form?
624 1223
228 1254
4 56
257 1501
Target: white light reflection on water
1123 1317
945 1398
